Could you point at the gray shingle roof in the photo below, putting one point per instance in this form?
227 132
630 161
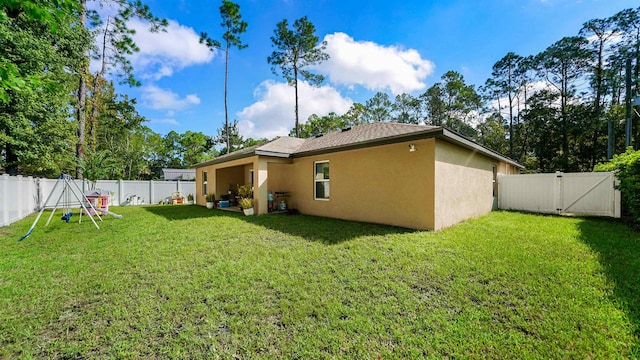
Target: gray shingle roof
361 134
354 137
284 145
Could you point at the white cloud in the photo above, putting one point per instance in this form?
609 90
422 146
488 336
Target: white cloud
162 99
163 53
165 121
273 114
374 66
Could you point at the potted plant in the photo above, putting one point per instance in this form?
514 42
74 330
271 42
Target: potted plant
245 191
190 199
210 200
247 206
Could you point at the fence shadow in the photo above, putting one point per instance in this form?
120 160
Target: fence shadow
618 247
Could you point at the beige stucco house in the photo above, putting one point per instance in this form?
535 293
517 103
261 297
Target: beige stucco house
414 176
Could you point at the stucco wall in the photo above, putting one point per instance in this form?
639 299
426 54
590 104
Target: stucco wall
383 184
463 184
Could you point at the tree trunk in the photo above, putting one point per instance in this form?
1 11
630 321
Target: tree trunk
596 107
226 82
82 99
12 160
295 77
93 121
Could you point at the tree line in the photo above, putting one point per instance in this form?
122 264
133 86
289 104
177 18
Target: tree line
556 110
551 111
56 116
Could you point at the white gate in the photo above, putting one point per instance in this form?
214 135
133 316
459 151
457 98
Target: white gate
560 193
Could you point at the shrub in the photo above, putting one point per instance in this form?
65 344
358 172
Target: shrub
627 168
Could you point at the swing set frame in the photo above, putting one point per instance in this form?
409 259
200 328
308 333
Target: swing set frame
69 187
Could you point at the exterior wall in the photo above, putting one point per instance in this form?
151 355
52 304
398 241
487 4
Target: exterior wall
247 175
383 184
436 186
464 184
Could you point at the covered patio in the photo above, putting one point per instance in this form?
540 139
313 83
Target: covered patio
267 175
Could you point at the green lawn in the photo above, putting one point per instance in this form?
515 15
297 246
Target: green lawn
184 281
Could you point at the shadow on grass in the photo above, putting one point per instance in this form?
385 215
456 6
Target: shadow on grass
321 229
618 247
182 212
312 228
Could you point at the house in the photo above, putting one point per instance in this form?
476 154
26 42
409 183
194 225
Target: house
413 176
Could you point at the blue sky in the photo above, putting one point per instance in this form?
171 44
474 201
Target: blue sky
387 46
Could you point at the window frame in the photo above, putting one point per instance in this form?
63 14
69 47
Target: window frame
315 181
204 183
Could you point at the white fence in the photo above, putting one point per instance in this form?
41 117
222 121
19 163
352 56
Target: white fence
22 196
560 193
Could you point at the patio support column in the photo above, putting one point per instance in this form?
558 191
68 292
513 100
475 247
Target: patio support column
260 191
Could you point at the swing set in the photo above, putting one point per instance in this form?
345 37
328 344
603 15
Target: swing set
65 203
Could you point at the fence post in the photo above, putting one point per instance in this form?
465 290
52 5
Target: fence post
19 195
4 202
557 192
120 189
32 200
151 201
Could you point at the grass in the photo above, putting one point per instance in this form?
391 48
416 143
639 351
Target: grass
183 281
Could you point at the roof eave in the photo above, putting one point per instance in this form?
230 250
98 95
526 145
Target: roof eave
462 141
272 154
220 160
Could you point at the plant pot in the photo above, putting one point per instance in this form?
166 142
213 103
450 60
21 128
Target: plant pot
210 205
190 202
248 211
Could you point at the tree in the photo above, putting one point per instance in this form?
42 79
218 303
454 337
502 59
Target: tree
379 108
234 26
121 45
196 148
601 32
49 15
461 100
294 51
506 79
628 26
318 125
545 140
433 101
356 115
562 64
232 135
492 133
39 108
407 109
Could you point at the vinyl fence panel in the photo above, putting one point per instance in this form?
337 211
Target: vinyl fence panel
22 196
560 193
18 198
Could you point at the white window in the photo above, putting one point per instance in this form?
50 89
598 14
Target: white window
321 180
204 183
